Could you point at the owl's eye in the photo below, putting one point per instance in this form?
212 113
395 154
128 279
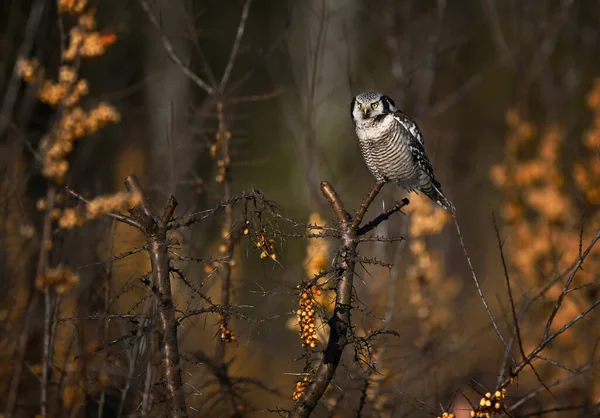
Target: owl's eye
374 105
359 105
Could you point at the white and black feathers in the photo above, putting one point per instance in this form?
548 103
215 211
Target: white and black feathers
393 146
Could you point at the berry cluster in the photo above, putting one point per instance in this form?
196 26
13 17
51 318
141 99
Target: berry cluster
226 333
301 386
490 404
266 244
306 316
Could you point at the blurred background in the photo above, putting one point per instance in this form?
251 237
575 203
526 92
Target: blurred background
208 100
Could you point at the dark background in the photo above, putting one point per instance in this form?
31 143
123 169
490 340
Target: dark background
456 66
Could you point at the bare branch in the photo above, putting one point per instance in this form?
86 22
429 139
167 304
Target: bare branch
478 286
236 45
173 55
568 284
340 321
365 205
383 217
30 31
155 230
338 207
19 360
510 295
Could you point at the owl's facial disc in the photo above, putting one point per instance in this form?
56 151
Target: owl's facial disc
362 110
366 106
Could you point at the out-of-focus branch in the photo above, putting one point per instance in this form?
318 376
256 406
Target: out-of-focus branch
222 146
498 35
236 45
45 246
340 322
173 55
155 230
11 94
547 337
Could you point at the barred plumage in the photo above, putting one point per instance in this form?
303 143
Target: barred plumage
393 146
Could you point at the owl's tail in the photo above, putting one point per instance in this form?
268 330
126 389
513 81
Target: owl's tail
435 193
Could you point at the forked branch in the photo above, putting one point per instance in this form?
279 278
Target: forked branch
154 228
340 322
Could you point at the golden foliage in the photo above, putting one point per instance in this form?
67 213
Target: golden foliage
75 123
586 172
103 205
317 250
430 290
74 7
543 214
70 219
60 278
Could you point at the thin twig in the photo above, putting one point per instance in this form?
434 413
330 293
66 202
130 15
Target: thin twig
118 216
477 285
365 205
173 55
105 329
512 305
12 91
383 217
567 285
236 46
510 295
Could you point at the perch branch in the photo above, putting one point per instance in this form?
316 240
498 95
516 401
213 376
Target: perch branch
365 205
340 322
382 217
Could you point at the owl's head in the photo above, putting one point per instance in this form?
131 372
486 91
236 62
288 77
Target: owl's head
370 105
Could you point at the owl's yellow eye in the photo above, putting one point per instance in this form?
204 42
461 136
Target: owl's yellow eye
359 105
374 105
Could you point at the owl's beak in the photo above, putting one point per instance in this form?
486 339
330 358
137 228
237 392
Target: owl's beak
366 110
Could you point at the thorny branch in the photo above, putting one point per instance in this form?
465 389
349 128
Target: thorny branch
547 337
155 231
340 322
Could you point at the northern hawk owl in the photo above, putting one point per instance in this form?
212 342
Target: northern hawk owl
393 146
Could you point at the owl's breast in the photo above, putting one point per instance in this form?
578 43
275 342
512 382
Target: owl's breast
385 151
370 147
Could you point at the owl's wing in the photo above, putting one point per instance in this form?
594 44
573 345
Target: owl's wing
410 125
416 144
